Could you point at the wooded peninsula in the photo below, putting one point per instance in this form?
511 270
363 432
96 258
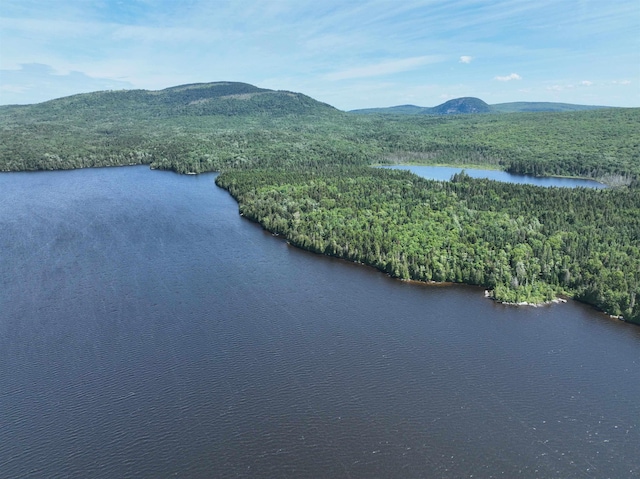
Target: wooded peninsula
303 170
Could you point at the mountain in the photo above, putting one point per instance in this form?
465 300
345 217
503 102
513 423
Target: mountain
188 128
460 105
475 105
198 99
452 107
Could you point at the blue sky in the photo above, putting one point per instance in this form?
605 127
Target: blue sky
350 54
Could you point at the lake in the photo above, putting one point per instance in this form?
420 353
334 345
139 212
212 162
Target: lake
444 173
149 331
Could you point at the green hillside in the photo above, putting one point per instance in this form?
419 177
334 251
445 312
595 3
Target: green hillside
188 128
201 99
302 169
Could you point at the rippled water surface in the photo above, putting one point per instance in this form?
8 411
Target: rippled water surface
149 331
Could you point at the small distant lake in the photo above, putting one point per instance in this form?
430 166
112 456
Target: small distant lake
444 173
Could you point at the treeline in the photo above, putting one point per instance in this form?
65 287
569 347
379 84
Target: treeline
523 242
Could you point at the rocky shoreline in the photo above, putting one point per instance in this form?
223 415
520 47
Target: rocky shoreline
488 294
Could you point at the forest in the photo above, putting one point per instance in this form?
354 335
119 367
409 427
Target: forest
303 170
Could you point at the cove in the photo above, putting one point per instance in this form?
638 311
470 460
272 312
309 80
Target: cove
147 330
444 173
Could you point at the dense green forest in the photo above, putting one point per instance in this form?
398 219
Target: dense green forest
302 169
525 243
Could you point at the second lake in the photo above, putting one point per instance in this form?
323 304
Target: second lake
444 173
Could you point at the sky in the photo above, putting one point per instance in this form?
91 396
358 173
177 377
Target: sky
348 53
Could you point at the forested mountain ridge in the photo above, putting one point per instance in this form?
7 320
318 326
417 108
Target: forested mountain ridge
475 105
302 169
455 106
198 99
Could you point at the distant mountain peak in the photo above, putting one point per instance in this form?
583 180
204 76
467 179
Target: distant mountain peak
461 105
466 105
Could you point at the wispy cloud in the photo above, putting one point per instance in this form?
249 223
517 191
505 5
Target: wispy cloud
341 52
383 68
42 83
513 76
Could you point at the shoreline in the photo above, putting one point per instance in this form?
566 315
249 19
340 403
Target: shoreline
489 295
434 283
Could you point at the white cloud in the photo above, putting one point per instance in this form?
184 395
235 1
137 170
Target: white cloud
384 68
42 82
621 82
465 59
586 83
513 76
555 88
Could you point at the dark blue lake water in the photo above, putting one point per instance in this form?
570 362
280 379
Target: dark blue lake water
149 331
444 173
